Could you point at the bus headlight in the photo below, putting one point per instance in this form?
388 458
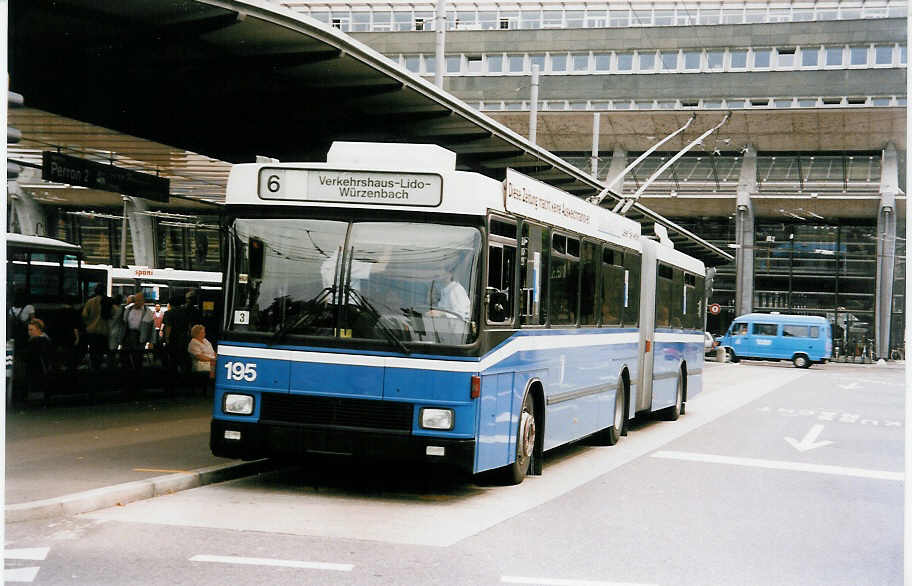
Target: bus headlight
437 418
238 404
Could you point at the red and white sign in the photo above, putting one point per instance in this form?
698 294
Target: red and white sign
715 309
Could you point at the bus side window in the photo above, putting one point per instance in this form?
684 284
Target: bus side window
589 284
665 299
613 287
501 268
632 267
533 275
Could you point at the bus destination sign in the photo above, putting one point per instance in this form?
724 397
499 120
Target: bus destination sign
358 187
62 168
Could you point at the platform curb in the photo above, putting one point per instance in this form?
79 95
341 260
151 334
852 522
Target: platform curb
128 492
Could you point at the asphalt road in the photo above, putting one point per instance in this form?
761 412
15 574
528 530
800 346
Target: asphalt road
774 476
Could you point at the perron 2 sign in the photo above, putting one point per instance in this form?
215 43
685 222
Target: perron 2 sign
75 171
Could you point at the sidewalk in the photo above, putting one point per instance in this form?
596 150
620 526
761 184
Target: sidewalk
75 458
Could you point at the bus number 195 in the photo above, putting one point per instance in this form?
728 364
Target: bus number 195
241 371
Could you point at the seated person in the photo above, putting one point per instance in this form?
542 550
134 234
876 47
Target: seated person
453 299
201 351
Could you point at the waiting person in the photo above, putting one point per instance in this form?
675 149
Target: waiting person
116 327
201 351
96 315
38 357
138 335
18 317
158 316
176 325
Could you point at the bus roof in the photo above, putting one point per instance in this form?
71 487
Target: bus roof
41 244
418 177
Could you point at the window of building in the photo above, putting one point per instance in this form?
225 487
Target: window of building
858 55
603 61
539 60
738 58
712 104
580 62
709 16
785 57
453 63
574 18
513 105
663 17
733 16
647 61
807 102
578 105
810 56
430 64
530 19
902 54
762 58
715 59
882 101
883 54
759 102
361 21
495 63
665 105
413 63
402 20
692 60
669 60
833 56
783 103
734 104
624 61
473 64
515 63
621 104
466 19
596 18
552 18
619 18
644 105
487 20
559 62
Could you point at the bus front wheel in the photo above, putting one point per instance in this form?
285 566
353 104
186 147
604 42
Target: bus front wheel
525 444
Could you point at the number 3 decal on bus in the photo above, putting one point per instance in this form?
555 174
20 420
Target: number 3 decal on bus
241 371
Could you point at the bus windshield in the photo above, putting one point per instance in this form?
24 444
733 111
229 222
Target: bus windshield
396 282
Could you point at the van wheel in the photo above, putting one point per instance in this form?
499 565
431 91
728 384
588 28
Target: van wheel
801 361
731 356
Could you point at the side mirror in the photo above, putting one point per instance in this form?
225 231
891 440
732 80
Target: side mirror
256 257
498 301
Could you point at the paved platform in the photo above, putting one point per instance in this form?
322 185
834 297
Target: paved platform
73 457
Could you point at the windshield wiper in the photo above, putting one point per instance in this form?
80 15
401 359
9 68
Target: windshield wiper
317 300
362 303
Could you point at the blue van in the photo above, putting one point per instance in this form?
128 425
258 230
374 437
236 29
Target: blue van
803 339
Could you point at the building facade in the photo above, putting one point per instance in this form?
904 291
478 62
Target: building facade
805 181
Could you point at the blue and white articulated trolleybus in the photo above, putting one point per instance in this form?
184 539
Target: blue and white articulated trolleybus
385 305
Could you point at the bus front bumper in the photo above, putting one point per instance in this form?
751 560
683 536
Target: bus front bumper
253 440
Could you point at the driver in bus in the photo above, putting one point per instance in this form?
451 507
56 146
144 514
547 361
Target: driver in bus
453 298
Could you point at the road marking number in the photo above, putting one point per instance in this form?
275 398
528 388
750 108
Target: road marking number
833 416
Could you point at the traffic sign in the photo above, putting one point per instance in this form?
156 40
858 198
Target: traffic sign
715 309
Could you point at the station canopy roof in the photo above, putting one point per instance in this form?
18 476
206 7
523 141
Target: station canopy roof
184 88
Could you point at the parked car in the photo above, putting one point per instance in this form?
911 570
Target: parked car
709 344
803 339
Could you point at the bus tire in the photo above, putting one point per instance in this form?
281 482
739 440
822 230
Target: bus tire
525 444
611 435
801 361
672 413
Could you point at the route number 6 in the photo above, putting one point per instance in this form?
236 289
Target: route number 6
241 371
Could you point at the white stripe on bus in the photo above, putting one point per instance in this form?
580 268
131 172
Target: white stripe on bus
514 345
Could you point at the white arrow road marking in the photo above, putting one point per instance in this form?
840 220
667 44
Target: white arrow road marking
780 465
850 386
28 553
226 559
563 582
20 575
809 441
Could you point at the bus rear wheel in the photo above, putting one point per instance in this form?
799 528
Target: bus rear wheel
611 435
672 413
525 444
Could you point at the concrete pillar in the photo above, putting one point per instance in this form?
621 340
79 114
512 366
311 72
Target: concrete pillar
141 232
744 233
618 164
26 212
886 250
